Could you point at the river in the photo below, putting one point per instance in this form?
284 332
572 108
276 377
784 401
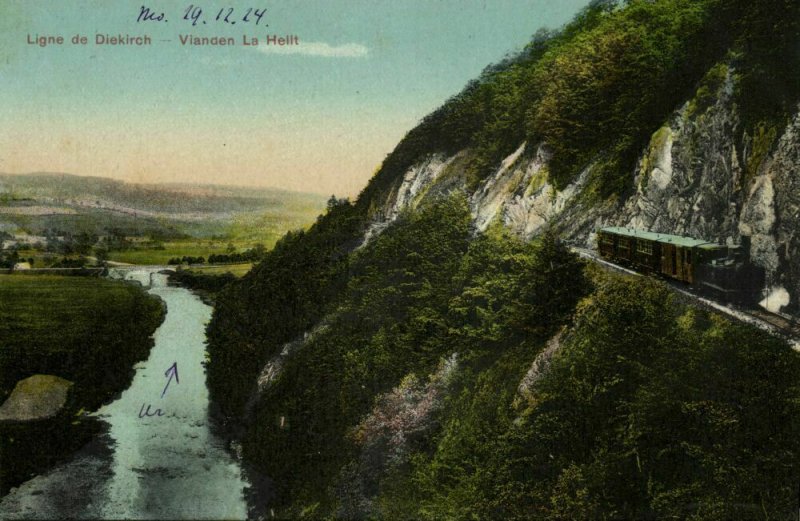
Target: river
167 466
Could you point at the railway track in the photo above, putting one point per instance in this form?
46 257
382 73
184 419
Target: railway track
785 323
779 324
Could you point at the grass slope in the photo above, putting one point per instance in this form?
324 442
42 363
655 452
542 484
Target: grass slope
84 329
87 330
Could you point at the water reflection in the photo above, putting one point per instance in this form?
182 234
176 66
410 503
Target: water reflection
169 466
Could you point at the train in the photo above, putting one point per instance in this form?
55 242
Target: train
717 270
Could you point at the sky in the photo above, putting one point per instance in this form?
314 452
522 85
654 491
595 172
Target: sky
319 116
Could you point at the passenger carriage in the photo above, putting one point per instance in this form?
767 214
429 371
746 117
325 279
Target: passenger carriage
720 270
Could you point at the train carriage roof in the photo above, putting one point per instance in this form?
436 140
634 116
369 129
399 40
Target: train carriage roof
665 238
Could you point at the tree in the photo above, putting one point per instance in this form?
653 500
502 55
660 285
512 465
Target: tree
332 202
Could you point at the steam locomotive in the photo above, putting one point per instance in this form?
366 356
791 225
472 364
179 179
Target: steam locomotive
719 271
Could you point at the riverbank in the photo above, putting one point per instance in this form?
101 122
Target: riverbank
88 331
205 286
168 463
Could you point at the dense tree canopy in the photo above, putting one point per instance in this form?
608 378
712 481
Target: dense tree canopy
452 374
596 90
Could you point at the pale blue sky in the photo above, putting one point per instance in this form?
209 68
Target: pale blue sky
321 119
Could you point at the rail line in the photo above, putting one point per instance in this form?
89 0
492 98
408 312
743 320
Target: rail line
778 324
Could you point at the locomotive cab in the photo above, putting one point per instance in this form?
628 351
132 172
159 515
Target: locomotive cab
712 253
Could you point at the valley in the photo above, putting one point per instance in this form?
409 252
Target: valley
58 220
454 342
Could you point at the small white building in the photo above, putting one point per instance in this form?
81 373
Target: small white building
21 266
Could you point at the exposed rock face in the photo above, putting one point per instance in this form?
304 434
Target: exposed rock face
780 243
700 176
386 436
695 180
274 367
521 197
408 193
540 365
689 180
269 373
37 397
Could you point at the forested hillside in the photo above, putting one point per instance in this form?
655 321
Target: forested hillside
597 89
417 354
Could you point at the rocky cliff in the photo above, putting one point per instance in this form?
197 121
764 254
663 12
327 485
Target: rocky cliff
701 175
409 357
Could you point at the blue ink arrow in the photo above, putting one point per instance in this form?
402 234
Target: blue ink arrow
172 371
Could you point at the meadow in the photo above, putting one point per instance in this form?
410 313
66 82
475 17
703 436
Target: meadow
242 232
90 331
171 249
237 270
144 224
87 330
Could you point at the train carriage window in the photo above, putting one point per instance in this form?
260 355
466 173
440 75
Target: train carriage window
644 247
624 243
688 256
606 239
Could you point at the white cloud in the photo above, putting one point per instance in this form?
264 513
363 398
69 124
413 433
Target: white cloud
345 50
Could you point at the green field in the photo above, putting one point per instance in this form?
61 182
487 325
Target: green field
69 216
237 270
90 331
150 256
243 232
80 328
191 247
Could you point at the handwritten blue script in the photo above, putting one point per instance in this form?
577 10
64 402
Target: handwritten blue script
196 15
171 373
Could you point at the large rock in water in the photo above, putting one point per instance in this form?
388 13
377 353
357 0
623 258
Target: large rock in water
37 397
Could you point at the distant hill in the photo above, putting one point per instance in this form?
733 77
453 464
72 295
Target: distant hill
173 197
36 202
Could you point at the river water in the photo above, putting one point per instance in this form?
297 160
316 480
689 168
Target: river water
166 466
